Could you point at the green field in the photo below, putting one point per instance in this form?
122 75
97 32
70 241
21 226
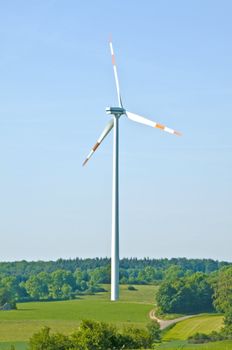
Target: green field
17 326
64 316
204 323
179 345
17 345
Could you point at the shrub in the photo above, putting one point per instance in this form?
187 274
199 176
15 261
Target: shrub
131 288
92 335
228 317
199 338
43 340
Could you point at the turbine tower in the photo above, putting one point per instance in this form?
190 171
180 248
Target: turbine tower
116 113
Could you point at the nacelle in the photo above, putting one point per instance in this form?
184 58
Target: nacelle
115 110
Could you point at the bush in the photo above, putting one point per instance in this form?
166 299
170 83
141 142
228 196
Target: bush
154 330
228 317
131 288
6 297
92 335
199 338
43 340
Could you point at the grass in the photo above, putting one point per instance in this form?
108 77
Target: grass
204 323
183 345
17 326
176 345
179 345
17 345
64 316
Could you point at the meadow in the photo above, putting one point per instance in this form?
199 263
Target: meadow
183 345
204 323
64 316
17 326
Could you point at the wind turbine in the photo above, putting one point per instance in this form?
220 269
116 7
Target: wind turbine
116 113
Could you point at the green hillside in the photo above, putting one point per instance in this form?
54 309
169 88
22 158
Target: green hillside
64 316
17 326
205 323
183 345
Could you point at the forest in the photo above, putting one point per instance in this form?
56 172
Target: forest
185 285
181 286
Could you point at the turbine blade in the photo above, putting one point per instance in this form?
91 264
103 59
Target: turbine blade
105 132
115 74
142 120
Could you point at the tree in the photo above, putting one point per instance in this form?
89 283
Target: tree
101 275
223 290
184 295
173 272
12 284
66 291
142 338
228 317
43 340
37 286
164 297
59 278
6 296
154 331
93 335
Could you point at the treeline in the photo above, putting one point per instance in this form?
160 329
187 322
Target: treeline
56 280
27 268
198 292
58 285
190 294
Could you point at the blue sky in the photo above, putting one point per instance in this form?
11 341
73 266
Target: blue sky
174 64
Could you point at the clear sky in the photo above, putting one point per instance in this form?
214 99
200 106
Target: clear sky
175 67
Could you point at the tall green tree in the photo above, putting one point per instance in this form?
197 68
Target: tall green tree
189 294
7 297
223 290
60 278
37 286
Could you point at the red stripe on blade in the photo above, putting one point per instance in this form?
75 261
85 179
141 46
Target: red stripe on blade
96 146
160 126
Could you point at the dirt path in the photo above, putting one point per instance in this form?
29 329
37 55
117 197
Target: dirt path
165 323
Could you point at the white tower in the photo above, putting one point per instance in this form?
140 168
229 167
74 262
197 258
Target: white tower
117 112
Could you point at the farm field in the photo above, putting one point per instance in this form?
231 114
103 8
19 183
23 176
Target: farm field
64 316
17 326
204 323
183 345
17 345
177 345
